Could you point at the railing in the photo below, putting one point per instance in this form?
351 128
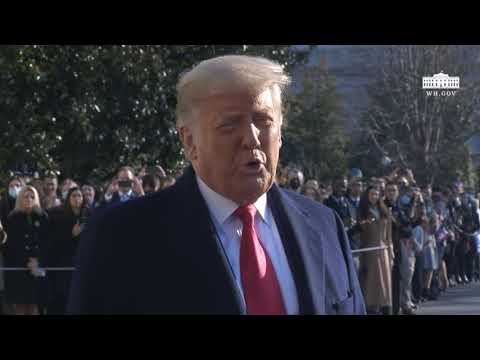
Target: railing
45 269
354 252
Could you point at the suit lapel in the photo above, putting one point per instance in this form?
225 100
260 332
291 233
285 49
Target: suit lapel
206 244
303 245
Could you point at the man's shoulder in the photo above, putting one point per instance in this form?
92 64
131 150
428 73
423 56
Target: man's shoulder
161 204
306 204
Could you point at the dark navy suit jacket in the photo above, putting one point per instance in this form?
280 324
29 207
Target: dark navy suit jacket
160 255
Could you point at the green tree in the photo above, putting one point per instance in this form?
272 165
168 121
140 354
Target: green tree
86 110
314 138
425 133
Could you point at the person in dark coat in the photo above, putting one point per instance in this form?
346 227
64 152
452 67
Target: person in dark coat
175 251
338 202
7 203
26 246
90 195
67 222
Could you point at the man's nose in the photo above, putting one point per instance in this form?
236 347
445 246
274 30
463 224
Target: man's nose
251 136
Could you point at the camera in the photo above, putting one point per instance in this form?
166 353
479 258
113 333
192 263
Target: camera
125 183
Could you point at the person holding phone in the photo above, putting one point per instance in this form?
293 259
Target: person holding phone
128 185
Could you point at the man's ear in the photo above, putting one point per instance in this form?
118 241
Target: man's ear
186 137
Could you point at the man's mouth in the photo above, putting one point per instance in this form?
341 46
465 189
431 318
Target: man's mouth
253 166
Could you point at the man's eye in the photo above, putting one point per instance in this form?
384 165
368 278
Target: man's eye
263 120
230 124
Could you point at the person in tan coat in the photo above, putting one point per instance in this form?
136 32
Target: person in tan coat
376 265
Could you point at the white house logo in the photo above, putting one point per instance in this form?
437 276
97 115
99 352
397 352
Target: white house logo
441 81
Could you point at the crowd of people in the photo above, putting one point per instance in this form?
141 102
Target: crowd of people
40 225
411 242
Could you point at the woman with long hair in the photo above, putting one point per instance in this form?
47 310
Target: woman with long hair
375 265
26 246
67 223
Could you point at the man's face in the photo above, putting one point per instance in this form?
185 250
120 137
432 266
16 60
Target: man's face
89 194
323 194
427 192
125 176
15 184
391 193
340 187
234 142
402 183
373 196
295 181
458 189
50 186
381 184
356 188
311 193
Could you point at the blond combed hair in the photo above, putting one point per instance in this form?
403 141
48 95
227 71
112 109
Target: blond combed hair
21 194
226 75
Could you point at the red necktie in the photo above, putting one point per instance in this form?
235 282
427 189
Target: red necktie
259 281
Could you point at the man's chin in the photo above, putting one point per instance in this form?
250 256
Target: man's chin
253 188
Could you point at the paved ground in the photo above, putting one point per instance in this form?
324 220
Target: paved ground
460 300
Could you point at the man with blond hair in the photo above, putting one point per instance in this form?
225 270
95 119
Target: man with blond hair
225 239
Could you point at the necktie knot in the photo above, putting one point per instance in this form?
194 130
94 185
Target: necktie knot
246 213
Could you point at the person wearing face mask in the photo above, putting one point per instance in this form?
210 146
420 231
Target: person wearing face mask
7 204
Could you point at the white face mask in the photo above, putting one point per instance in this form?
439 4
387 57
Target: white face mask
64 195
14 191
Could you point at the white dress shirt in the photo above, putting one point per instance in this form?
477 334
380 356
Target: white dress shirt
125 196
229 230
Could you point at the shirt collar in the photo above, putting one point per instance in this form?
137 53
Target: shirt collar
222 208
